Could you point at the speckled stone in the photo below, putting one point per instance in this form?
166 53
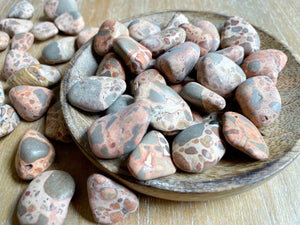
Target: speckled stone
198 147
242 134
15 60
219 74
178 87
56 127
30 102
86 34
44 30
22 10
179 61
139 29
151 158
2 95
121 102
208 27
237 31
4 40
177 20
119 133
259 100
110 202
267 62
70 22
46 199
169 111
195 34
235 53
54 8
9 119
108 31
15 26
198 95
95 94
111 66
22 41
59 51
34 155
164 40
35 75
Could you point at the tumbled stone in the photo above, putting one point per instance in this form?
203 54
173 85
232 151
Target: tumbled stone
30 102
177 20
22 10
151 158
219 74
34 155
235 53
15 26
267 62
198 147
54 8
259 100
9 120
237 31
119 133
178 61
178 87
4 40
198 95
35 75
2 95
46 199
86 34
95 94
121 102
110 202
242 134
162 41
22 41
44 30
136 56
59 51
70 22
139 29
111 66
108 31
15 60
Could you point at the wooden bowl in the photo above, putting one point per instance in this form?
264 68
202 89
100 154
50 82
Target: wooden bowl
236 172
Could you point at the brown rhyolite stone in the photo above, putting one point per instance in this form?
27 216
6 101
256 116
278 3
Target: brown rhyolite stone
22 9
44 30
235 53
54 8
15 26
22 41
121 102
70 22
4 40
139 29
9 119
177 20
86 34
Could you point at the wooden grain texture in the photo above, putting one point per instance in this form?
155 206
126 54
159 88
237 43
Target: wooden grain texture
275 202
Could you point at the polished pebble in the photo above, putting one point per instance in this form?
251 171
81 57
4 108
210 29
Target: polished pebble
44 30
46 199
15 26
9 119
2 95
259 100
121 102
178 87
177 20
30 102
86 34
54 8
119 133
22 9
4 40
110 202
70 22
139 29
22 41
235 53
34 155
242 134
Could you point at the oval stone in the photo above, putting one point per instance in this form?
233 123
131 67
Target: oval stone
121 102
22 41
54 8
86 34
139 29
9 120
15 26
177 20
22 10
235 53
4 40
2 95
70 22
44 30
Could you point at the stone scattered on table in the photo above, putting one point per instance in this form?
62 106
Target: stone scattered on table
121 102
235 53
15 26
177 20
44 30
4 40
86 34
54 8
2 95
70 22
22 10
139 29
9 120
22 41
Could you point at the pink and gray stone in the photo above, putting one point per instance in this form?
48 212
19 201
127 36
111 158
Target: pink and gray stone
139 29
4 40
119 133
70 22
34 155
178 87
22 41
15 26
2 95
235 53
177 20
22 10
46 199
9 120
44 30
110 202
121 102
259 100
86 34
54 8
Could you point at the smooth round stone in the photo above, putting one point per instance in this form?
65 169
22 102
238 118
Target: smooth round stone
121 102
2 95
35 75
15 60
22 10
95 94
44 30
4 40
70 22
34 155
259 100
22 41
15 26
111 66
108 31
178 87
59 51
242 134
164 40
119 133
267 62
235 53
54 8
178 61
209 28
219 74
110 202
9 119
198 95
139 29
151 158
86 34
198 147
30 102
177 20
237 31
46 199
